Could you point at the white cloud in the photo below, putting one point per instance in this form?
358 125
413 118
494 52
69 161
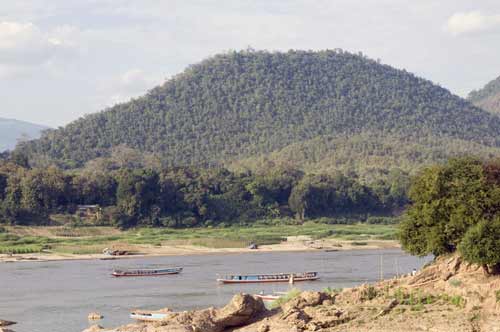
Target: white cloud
24 46
470 22
132 83
133 77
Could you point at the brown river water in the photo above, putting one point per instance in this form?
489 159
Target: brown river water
58 296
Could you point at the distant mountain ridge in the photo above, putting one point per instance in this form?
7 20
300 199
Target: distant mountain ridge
249 104
488 97
13 130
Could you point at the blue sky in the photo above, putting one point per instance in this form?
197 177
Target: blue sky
61 59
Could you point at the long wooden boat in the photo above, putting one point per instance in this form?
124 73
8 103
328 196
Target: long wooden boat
264 278
147 316
145 272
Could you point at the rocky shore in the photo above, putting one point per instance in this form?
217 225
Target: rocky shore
446 296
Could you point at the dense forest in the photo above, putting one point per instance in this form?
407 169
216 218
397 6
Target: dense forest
488 97
188 196
368 156
332 110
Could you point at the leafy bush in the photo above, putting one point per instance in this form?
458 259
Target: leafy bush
458 301
285 298
455 206
369 293
481 243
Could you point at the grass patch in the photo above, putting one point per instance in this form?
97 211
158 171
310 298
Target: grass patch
457 301
20 250
72 239
285 298
78 250
333 291
414 298
455 282
369 293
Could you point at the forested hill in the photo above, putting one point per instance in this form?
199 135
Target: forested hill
248 103
488 97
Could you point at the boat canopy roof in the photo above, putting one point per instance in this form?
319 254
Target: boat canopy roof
272 274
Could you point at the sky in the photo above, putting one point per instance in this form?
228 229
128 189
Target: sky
62 59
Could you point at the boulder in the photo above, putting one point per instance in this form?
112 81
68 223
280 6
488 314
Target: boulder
306 299
239 311
95 316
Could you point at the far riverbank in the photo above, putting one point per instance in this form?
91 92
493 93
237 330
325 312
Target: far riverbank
21 243
139 251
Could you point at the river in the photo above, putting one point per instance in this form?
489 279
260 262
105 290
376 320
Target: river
58 296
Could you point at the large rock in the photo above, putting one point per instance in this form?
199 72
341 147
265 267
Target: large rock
239 311
305 299
243 309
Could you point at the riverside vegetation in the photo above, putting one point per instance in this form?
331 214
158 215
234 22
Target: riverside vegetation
190 197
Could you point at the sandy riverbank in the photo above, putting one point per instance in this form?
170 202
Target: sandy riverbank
293 244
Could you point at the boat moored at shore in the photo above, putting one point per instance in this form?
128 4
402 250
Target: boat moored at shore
145 272
264 278
270 297
148 316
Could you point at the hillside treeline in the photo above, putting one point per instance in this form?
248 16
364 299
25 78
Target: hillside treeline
487 98
251 103
188 197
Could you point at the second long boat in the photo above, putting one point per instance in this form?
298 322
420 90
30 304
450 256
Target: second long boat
264 278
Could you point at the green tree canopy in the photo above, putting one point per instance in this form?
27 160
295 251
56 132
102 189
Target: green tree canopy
451 204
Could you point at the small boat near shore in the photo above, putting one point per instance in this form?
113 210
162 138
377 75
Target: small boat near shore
148 316
145 272
270 297
265 278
